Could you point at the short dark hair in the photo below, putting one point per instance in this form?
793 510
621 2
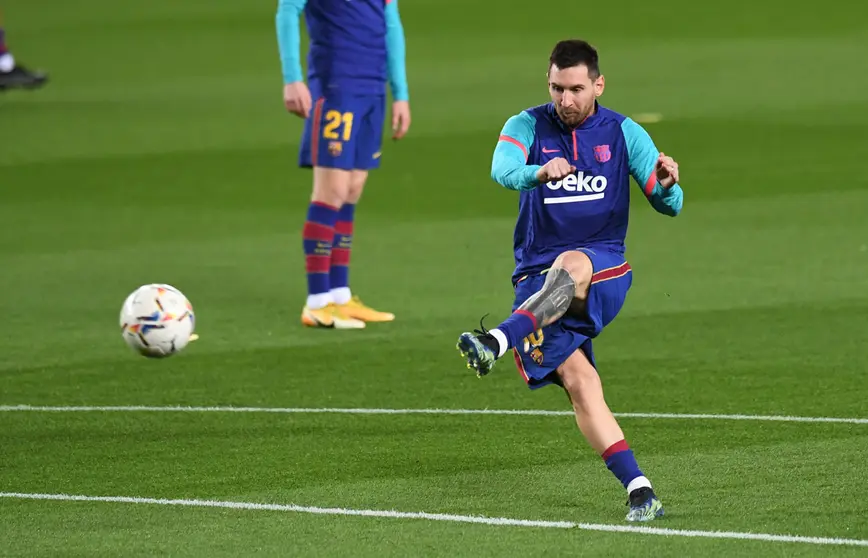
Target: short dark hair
576 52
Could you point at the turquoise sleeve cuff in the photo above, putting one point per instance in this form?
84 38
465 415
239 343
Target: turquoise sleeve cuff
667 201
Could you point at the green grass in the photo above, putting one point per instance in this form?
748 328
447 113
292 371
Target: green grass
160 152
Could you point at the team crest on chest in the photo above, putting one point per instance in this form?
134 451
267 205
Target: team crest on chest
602 153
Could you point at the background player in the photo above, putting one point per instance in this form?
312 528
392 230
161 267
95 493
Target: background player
355 48
14 75
572 160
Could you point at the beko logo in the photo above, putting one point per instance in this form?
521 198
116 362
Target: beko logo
591 188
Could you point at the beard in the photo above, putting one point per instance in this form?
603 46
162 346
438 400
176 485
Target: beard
573 116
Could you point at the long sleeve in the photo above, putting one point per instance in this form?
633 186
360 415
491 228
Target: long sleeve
396 53
289 38
509 166
643 154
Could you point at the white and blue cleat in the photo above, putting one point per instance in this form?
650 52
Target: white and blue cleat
478 351
644 505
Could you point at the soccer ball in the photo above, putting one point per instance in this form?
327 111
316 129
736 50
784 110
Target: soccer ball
157 320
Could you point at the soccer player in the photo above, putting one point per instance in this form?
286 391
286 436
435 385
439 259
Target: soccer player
356 47
14 76
571 159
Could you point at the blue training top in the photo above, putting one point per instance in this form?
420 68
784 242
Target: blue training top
589 208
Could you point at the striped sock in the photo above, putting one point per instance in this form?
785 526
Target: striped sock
3 49
621 462
317 237
339 276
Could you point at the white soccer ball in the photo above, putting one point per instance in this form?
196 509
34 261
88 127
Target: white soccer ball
157 320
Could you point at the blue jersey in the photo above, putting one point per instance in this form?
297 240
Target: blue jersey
588 209
356 46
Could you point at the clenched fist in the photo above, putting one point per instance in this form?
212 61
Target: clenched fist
556 169
667 171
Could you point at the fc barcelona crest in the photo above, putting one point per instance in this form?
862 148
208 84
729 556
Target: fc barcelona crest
602 153
533 346
335 148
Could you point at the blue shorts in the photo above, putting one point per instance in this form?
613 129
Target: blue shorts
343 132
540 354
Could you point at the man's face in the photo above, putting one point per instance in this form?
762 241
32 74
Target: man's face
573 92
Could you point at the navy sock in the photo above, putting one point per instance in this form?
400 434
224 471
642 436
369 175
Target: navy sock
339 276
3 49
317 237
619 459
516 327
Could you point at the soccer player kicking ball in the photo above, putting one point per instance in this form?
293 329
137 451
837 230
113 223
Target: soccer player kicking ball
355 48
571 160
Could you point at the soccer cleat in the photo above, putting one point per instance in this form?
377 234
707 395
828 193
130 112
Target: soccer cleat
330 317
479 348
357 310
21 77
193 337
644 505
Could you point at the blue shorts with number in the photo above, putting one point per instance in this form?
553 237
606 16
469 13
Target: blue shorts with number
540 354
343 131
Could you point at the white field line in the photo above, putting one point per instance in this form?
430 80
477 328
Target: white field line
349 411
500 521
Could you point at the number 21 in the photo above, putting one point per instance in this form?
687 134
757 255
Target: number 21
334 119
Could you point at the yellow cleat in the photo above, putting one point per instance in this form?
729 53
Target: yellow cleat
330 316
193 337
356 309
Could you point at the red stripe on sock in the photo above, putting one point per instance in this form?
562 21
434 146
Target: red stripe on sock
529 315
340 256
317 264
317 231
344 227
615 448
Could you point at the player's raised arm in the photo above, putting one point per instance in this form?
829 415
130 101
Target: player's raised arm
296 95
657 182
509 166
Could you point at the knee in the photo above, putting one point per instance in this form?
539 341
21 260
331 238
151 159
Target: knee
331 186
357 184
582 383
578 265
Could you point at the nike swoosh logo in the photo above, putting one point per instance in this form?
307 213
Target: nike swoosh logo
545 150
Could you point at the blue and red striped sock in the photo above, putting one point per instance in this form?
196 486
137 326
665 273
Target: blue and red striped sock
339 276
513 329
620 460
317 237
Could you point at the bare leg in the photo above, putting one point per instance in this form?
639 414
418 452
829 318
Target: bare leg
585 390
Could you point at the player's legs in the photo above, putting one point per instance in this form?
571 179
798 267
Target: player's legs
585 390
14 75
339 275
581 381
322 147
368 128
